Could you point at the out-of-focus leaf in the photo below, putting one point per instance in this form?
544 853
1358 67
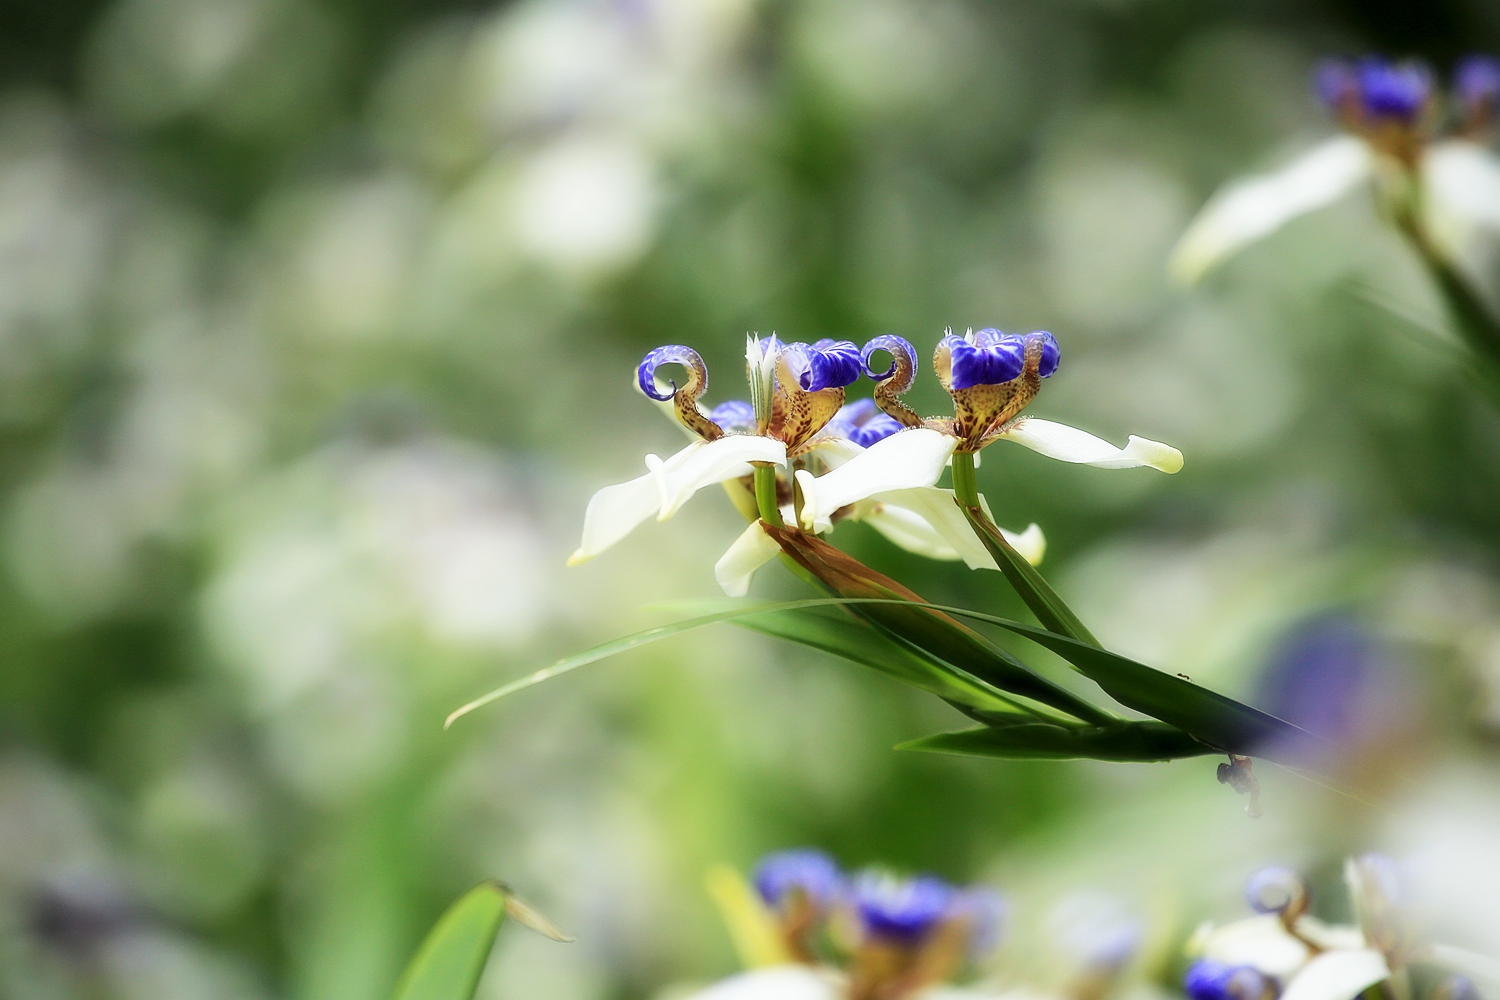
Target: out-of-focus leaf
448 964
1050 609
452 957
1125 741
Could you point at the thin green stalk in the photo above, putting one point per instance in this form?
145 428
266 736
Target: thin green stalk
1050 609
965 483
765 494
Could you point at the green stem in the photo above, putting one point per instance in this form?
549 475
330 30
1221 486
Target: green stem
965 483
765 494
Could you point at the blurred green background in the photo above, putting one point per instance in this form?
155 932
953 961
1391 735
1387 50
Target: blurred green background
317 328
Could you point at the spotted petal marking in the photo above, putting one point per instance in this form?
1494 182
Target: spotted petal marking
810 382
685 399
992 377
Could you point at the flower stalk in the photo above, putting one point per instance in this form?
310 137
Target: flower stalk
765 493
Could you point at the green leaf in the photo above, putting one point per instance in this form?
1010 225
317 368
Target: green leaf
448 964
452 957
1125 741
833 630
1050 609
1215 719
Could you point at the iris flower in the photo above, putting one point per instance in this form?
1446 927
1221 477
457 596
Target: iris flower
796 417
1285 953
992 376
1431 171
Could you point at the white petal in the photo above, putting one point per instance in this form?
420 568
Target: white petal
781 982
1259 942
1254 207
1463 186
1338 975
615 511
1069 444
914 457
727 458
927 521
752 550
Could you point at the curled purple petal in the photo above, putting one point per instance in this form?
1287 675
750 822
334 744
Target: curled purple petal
828 364
901 909
1207 979
1476 83
1393 90
735 416
900 350
1335 83
994 361
672 354
805 871
1274 890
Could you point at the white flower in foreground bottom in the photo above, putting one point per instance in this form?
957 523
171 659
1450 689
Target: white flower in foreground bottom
781 982
1450 186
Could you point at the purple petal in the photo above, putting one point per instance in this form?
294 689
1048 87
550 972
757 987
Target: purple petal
1476 83
1207 979
1051 353
1335 82
904 910
993 364
805 870
833 365
734 415
1388 90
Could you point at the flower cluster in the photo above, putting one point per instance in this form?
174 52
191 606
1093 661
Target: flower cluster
869 936
827 460
1284 953
1422 150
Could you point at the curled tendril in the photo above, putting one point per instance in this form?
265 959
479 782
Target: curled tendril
1280 891
895 380
684 399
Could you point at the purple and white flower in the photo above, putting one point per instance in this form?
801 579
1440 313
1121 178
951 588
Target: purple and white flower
1397 139
992 377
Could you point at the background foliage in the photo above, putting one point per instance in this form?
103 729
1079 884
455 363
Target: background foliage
316 328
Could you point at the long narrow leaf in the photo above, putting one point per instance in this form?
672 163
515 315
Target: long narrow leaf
898 610
1125 741
1214 719
1050 609
450 961
831 630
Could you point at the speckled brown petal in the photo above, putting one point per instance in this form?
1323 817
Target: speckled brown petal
797 415
982 411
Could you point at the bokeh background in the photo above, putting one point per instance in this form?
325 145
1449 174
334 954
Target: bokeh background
317 326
